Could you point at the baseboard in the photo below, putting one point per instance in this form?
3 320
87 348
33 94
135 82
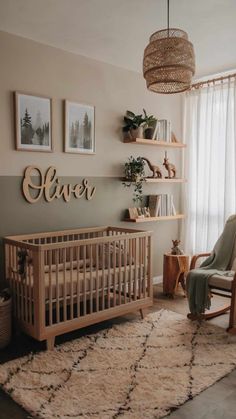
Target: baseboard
157 279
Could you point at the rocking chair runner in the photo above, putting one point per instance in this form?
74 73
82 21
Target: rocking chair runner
221 285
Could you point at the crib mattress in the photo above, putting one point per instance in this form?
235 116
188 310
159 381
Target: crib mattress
69 282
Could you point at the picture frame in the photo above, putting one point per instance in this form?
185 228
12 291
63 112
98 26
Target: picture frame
139 212
79 136
33 122
133 213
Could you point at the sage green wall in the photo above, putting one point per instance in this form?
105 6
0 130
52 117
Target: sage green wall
39 69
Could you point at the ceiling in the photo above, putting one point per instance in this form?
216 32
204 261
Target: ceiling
116 31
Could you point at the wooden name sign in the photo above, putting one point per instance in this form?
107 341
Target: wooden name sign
50 186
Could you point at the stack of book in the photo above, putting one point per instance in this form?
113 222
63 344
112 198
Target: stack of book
161 205
162 130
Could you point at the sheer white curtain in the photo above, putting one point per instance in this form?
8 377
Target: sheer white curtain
210 135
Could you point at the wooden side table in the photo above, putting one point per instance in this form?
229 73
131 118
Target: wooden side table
174 269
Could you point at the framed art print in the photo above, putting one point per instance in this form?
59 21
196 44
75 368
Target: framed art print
33 122
79 128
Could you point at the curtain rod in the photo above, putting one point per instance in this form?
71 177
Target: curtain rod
200 84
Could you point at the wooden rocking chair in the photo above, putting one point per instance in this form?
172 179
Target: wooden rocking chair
224 286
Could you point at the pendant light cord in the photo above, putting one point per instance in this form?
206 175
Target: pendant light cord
168 17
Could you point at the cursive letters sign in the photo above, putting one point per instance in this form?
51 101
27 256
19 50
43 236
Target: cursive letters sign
49 186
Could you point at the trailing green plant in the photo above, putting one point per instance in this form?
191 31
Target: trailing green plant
132 121
135 176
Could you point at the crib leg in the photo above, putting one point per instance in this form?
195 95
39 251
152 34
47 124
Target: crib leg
50 343
142 313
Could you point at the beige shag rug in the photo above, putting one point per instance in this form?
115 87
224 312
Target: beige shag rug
135 370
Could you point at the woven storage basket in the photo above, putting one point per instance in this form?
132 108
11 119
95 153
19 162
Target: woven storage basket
5 323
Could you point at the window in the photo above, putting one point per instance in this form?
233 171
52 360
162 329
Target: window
209 121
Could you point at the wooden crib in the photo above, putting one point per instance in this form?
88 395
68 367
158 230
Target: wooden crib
65 280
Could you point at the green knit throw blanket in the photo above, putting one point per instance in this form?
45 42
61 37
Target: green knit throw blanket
217 263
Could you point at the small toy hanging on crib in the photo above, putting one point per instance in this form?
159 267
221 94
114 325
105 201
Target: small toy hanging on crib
23 261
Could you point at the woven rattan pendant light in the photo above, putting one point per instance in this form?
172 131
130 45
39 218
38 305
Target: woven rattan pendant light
169 61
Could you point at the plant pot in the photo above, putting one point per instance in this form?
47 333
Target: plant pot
135 178
137 133
148 133
127 135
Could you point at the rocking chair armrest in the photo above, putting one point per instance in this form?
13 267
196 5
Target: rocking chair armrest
196 257
234 282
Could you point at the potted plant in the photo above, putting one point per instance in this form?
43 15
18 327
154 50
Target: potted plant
135 176
133 127
149 125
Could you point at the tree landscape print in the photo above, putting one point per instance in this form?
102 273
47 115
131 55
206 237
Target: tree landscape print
79 136
33 122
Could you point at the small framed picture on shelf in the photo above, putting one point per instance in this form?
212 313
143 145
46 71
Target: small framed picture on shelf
133 213
79 128
33 122
141 212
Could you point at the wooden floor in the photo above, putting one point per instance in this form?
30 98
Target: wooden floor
217 402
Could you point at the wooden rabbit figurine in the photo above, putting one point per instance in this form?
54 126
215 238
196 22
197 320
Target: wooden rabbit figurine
156 171
169 167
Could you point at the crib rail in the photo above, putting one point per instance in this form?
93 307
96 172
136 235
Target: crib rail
77 275
68 235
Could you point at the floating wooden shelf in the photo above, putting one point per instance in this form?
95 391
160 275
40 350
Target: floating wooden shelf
156 143
150 219
158 180
163 180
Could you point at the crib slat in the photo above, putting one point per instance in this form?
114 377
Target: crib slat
14 282
130 268
50 285
17 284
103 279
119 274
64 285
30 291
57 286
91 278
125 269
97 278
20 286
109 275
84 279
71 284
135 270
149 273
25 288
114 273
145 266
140 267
9 275
78 281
